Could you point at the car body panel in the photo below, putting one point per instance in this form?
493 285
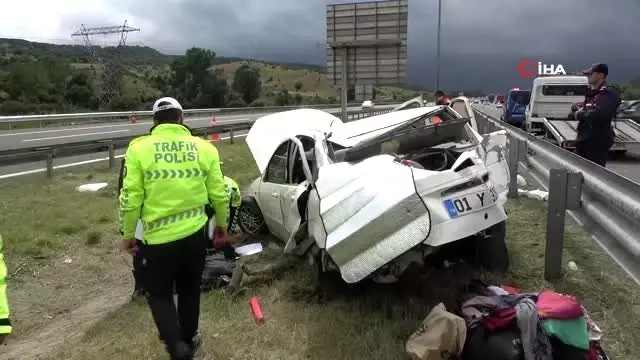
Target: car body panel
353 198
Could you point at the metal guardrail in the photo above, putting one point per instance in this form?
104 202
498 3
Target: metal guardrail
134 116
49 153
606 204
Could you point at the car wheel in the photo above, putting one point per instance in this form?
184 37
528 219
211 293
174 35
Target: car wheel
250 217
491 248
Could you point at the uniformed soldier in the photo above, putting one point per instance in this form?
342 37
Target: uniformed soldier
594 115
5 323
169 177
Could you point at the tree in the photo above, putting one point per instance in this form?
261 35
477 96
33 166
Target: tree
194 84
283 98
246 81
79 92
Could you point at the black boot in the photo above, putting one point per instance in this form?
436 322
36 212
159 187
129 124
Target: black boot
195 343
181 351
138 291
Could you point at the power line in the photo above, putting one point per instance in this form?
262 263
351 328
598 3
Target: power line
111 75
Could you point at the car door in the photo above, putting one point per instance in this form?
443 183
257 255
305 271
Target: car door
300 182
274 183
462 106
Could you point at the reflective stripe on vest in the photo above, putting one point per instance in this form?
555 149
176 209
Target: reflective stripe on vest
174 218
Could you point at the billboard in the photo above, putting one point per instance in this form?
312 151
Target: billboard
372 36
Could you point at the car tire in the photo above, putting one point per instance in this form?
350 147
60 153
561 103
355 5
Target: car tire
491 248
250 217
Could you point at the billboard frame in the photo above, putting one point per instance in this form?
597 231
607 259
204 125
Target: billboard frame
386 34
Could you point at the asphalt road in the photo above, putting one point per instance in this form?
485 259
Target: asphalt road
27 138
627 165
11 171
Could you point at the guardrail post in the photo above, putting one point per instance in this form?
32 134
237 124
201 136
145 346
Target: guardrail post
564 194
514 156
50 164
231 136
112 154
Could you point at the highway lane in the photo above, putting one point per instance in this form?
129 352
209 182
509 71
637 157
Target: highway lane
17 170
17 139
627 165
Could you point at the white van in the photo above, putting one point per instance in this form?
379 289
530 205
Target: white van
551 99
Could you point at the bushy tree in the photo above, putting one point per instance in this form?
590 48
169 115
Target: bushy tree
246 81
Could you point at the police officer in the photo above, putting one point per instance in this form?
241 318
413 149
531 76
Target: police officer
594 115
233 191
138 290
169 177
5 323
441 98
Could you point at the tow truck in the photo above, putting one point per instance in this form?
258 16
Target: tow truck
547 114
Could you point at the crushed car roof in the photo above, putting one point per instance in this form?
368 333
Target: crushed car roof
269 131
350 133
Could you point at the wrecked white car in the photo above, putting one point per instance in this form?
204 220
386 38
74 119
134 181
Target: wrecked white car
370 197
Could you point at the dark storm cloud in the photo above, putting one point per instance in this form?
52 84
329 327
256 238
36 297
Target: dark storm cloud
482 41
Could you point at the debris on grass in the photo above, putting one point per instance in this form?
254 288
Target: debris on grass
91 187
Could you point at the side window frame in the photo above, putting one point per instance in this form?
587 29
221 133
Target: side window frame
286 156
294 154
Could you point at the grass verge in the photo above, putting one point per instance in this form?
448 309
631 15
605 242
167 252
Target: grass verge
362 322
61 244
373 322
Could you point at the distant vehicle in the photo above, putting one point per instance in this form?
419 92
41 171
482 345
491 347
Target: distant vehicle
514 111
499 99
367 104
630 110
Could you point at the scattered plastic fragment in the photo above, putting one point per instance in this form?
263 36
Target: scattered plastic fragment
510 289
250 249
91 187
534 194
572 266
68 260
521 181
256 309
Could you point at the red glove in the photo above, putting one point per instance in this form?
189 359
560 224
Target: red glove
219 237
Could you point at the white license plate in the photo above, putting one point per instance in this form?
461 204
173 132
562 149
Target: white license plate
463 205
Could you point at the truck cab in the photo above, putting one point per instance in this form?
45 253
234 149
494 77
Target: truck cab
514 111
551 99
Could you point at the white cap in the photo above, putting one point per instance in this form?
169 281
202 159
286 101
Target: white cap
172 104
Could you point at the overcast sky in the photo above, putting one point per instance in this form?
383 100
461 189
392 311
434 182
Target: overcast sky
482 41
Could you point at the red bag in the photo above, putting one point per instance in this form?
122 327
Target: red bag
552 305
499 319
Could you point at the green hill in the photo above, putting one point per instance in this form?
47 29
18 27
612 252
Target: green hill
48 78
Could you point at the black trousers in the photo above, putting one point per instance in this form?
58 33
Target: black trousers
137 265
598 153
180 262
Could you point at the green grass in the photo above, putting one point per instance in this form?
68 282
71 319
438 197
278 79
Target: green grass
362 322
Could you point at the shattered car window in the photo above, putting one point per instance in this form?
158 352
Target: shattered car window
277 168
